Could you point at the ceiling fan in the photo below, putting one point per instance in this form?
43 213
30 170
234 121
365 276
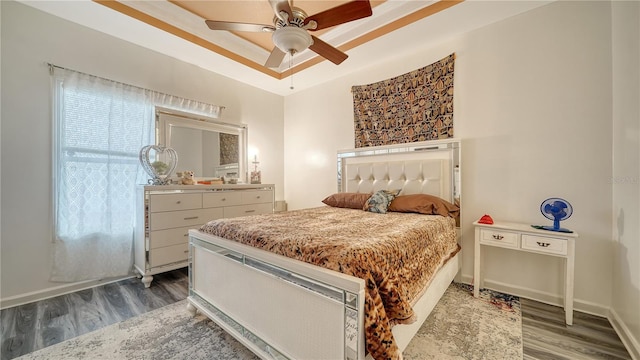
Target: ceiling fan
291 27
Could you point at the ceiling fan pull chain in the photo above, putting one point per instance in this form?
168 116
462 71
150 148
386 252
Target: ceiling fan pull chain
290 67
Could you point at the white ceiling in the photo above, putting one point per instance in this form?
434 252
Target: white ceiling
422 34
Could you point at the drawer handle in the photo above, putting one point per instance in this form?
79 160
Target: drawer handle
249 211
185 235
186 251
178 202
497 237
543 244
258 197
191 218
223 199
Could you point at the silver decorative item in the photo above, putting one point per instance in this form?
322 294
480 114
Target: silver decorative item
159 170
256 176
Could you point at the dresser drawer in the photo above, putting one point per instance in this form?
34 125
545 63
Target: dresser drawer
499 238
175 236
246 210
544 244
223 198
184 218
177 201
257 196
168 255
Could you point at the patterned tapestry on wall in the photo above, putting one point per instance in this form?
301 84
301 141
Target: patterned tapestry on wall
415 106
229 145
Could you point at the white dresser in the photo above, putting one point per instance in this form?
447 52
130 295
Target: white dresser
167 212
523 237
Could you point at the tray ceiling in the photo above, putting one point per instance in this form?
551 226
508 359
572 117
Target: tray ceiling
185 19
177 28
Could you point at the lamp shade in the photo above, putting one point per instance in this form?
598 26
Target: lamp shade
291 39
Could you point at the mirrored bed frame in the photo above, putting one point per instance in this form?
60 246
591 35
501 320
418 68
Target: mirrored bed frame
305 311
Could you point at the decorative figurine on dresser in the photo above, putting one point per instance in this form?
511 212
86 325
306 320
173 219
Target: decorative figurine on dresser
167 212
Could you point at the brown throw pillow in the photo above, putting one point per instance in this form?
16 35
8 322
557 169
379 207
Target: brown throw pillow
347 200
424 204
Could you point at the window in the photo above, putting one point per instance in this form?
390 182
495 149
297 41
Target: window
99 128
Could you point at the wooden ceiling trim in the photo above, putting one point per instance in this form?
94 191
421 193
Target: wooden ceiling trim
383 30
150 20
402 22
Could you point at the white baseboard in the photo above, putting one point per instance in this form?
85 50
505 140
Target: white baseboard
53 292
630 342
541 296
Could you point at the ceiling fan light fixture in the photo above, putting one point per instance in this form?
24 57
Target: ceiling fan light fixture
291 39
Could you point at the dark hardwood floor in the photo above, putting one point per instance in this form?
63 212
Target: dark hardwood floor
30 327
33 326
546 336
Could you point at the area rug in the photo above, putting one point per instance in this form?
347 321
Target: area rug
464 327
460 327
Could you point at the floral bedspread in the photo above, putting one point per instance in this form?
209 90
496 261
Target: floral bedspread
396 254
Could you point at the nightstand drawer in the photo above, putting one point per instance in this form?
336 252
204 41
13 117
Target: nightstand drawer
544 244
499 238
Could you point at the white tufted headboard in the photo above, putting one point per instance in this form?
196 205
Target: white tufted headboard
418 168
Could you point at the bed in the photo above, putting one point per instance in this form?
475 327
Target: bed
261 279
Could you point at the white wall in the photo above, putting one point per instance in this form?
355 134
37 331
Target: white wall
625 306
533 106
533 109
31 38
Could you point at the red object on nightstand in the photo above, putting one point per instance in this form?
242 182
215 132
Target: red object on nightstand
485 219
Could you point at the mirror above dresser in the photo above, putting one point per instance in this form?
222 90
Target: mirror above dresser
207 146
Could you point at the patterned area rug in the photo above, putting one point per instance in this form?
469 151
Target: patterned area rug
464 327
460 327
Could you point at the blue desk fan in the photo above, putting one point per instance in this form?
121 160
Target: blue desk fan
555 209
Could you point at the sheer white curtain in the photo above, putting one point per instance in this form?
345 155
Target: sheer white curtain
99 128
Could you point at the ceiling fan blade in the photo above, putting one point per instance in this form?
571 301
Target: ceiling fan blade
281 5
275 59
327 51
341 14
234 26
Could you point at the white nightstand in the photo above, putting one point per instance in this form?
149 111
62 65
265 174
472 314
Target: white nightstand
522 237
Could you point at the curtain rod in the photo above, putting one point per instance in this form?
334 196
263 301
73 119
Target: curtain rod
52 66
